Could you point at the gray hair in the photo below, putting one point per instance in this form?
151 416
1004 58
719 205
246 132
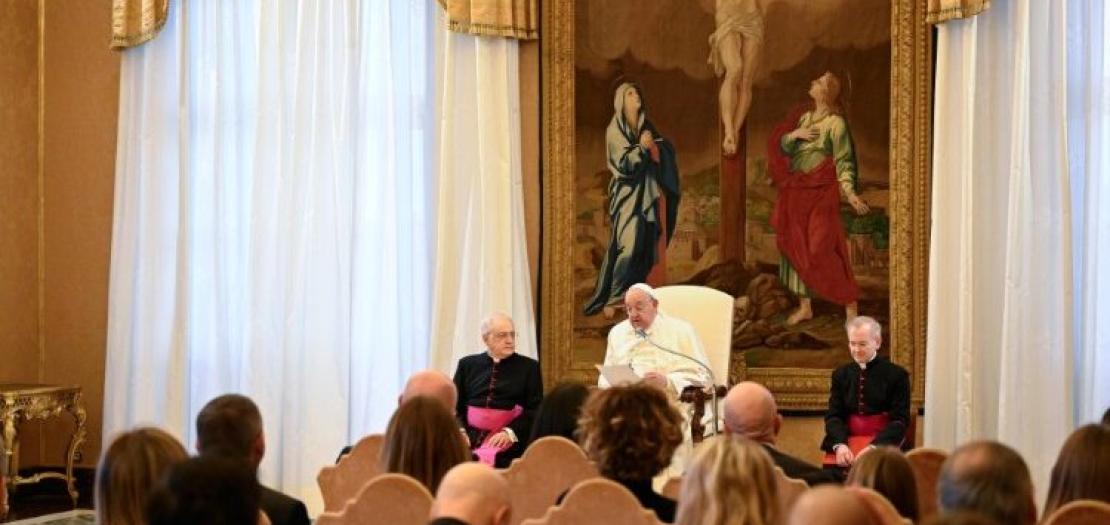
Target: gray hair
990 478
487 322
872 325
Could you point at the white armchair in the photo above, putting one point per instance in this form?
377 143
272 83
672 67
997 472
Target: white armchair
709 311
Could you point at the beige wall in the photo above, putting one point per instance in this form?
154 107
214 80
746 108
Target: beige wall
19 105
52 323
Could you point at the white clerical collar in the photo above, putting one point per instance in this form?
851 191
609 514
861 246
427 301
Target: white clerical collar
863 366
649 330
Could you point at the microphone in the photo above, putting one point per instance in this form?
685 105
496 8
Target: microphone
709 371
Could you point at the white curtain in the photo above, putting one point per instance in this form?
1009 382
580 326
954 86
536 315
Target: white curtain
1089 163
273 222
999 360
480 238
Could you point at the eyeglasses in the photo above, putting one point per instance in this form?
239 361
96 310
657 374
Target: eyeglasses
503 335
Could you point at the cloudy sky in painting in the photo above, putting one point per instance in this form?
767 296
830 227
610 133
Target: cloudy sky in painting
646 30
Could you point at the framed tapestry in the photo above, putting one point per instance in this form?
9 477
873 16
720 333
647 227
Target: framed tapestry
777 150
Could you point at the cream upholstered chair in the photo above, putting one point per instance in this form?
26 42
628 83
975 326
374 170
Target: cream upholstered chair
709 311
597 501
1080 512
389 499
549 467
926 463
790 489
342 481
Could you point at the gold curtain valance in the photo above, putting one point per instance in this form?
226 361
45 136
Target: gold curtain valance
519 19
136 21
945 10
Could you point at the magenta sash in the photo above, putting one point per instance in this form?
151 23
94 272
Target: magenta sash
491 420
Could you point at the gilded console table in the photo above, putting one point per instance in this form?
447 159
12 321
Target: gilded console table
25 402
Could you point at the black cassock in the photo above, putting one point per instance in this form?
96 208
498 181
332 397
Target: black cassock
484 383
885 387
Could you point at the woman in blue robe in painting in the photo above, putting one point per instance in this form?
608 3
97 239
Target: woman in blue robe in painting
643 201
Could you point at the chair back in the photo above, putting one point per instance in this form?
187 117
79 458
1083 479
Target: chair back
597 501
881 509
789 489
1080 512
549 467
710 312
389 499
342 481
926 463
672 488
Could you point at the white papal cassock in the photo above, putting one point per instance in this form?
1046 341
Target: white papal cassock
626 347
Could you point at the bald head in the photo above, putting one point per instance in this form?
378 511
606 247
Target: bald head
474 493
433 384
824 505
750 412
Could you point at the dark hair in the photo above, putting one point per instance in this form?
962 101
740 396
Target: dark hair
129 468
559 411
960 518
990 478
1106 417
630 431
214 490
886 471
1082 469
423 441
229 425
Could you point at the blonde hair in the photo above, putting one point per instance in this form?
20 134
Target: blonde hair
129 469
730 482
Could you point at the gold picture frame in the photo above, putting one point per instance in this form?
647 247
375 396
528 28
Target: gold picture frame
910 135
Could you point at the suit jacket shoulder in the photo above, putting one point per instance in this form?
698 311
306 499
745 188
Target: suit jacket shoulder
798 469
282 509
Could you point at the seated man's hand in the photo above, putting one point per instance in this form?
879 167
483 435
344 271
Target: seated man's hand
656 379
844 456
500 440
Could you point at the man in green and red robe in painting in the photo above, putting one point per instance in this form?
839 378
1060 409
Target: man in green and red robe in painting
812 161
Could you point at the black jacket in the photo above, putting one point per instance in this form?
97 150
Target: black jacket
886 388
282 509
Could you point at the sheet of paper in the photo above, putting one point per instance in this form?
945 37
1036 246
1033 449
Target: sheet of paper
618 374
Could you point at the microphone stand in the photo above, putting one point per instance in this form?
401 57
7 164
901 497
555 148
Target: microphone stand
712 380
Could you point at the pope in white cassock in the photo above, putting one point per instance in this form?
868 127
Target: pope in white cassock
636 341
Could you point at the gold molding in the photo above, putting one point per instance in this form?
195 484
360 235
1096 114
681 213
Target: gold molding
795 388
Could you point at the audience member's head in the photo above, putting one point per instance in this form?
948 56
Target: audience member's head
886 471
751 412
729 482
212 489
129 468
474 494
960 518
1082 469
630 432
423 441
1106 417
826 505
231 425
989 478
558 413
433 384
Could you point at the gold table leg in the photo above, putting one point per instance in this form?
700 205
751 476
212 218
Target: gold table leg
77 408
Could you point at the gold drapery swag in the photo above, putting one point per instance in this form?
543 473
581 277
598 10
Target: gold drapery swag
519 19
136 21
945 10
